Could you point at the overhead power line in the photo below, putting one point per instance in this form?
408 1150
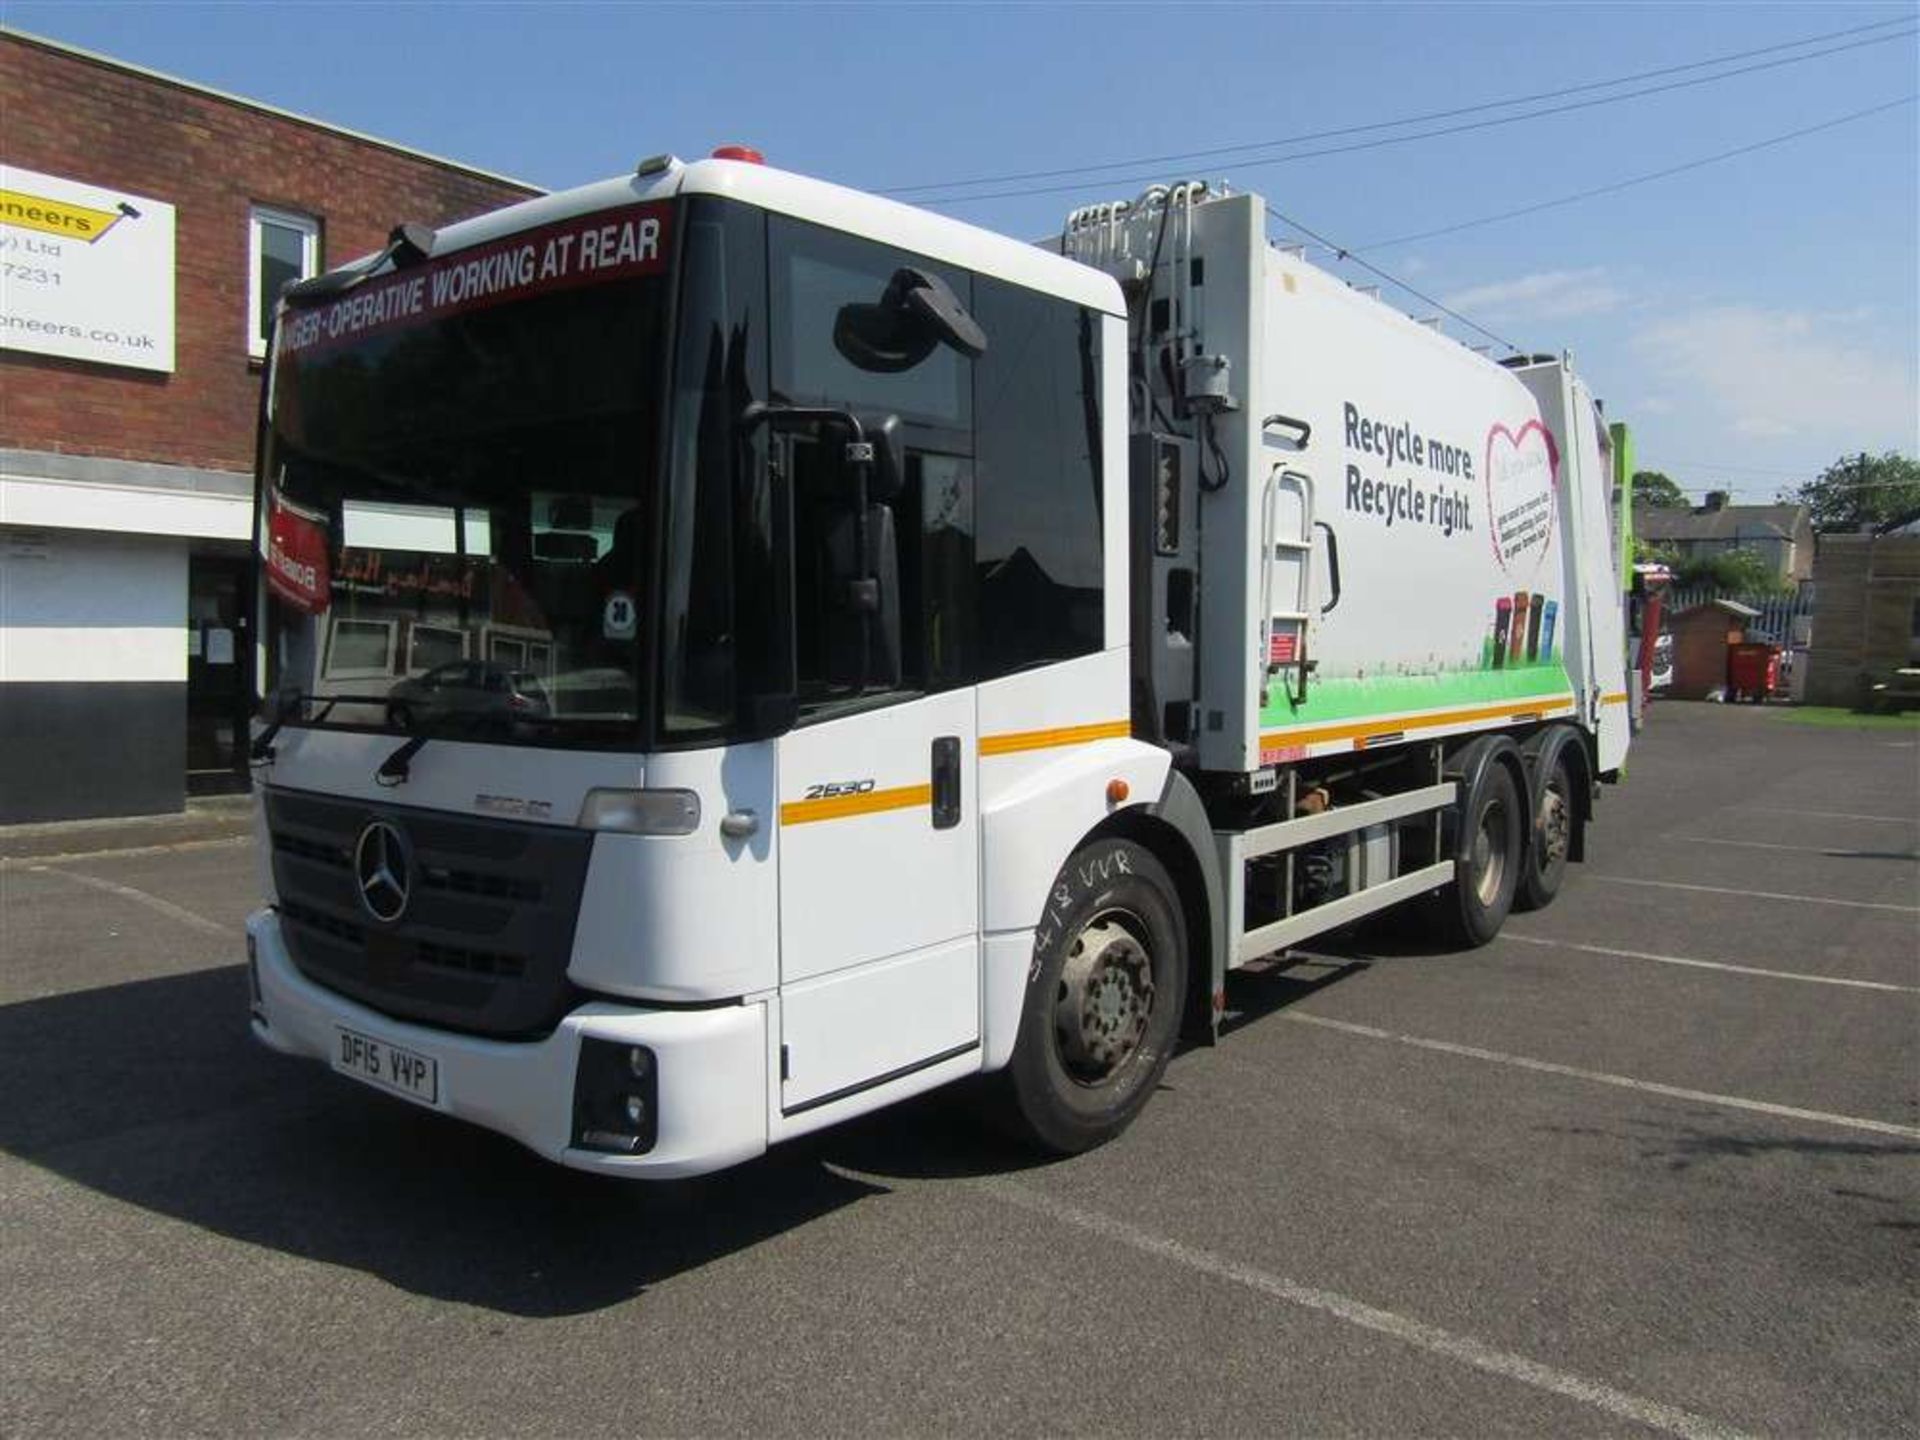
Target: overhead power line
1264 162
1740 469
1651 175
1179 157
1392 280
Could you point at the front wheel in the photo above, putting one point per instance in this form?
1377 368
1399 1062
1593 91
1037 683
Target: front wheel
1104 994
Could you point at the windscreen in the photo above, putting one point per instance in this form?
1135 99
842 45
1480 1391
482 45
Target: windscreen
457 492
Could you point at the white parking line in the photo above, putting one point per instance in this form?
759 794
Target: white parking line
141 897
1431 1338
1834 814
178 847
1759 894
1602 1077
1711 964
1797 849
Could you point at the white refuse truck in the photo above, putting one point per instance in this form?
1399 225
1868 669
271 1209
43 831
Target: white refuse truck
737 652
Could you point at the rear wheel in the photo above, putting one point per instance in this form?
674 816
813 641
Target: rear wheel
1553 825
1104 995
1487 870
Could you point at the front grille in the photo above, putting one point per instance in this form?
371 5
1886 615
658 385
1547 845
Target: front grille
472 962
294 913
471 882
329 855
483 943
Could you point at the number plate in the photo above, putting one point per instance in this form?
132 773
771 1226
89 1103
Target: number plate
405 1073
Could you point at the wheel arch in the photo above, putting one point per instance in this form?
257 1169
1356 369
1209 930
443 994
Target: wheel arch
1468 763
1176 830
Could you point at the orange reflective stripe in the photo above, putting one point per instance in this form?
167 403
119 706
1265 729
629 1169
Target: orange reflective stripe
1533 708
839 807
1014 741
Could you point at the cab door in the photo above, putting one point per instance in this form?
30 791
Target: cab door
879 896
879 820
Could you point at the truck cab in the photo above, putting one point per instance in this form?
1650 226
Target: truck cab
774 513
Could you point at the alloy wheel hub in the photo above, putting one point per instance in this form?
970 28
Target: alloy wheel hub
1105 998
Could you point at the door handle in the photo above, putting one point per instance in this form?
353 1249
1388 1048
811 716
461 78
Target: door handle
946 782
1287 422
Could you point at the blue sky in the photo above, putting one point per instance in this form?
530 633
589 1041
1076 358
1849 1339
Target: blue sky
1753 319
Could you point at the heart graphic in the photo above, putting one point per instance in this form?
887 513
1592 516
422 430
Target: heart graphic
1522 467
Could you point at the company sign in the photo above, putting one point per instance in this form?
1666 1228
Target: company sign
586 250
85 273
297 569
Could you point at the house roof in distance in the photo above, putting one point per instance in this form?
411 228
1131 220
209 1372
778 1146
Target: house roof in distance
1729 522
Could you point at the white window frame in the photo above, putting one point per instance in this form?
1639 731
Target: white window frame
525 638
414 667
361 672
309 229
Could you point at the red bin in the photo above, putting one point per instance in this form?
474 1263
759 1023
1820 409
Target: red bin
1753 670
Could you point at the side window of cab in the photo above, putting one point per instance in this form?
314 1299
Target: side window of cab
849 331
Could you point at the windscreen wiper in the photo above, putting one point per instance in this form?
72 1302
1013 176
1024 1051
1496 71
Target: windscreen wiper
397 766
289 709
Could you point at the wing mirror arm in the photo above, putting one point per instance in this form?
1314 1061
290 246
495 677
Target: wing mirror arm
873 451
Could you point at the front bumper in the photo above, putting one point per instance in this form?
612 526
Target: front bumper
712 1067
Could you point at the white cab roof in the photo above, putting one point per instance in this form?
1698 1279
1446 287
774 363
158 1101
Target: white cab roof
953 242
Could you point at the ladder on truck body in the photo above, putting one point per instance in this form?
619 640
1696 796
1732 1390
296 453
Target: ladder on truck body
1286 551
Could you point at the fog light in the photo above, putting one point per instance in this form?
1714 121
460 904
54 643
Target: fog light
615 1097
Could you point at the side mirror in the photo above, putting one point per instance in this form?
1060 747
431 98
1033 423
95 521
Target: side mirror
917 312
928 298
861 636
888 477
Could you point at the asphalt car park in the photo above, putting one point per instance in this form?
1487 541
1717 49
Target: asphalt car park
1648 1163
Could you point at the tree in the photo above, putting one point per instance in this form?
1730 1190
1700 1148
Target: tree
1861 489
1653 552
1650 487
1732 572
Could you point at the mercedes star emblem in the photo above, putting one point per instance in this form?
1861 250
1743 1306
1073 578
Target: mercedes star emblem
382 870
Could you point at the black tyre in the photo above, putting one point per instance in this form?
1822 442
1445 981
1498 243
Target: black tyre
399 717
1104 997
1554 821
1487 870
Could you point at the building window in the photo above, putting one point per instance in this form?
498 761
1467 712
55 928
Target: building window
360 649
431 646
281 247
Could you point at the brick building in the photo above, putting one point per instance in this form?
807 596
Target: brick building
148 224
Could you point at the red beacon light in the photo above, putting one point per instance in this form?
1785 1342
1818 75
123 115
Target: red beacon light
744 153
